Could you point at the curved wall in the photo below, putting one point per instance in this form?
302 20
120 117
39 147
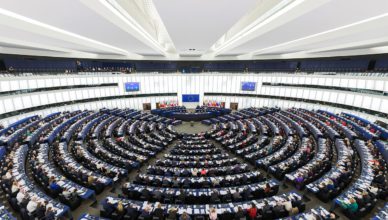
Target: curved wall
18 93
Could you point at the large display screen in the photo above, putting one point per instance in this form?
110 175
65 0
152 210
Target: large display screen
248 86
132 86
190 98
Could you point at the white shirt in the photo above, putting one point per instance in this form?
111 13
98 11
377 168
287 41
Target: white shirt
99 166
288 205
20 197
31 206
66 193
8 175
213 215
14 188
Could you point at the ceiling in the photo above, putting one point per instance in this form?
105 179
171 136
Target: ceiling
193 29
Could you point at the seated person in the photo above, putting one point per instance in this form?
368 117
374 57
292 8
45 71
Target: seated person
267 188
146 213
91 180
299 181
21 197
157 194
120 210
181 196
252 211
145 194
158 212
214 197
266 207
40 211
32 205
108 207
50 214
55 188
379 178
330 185
351 207
239 214
185 216
279 207
172 213
213 214
186 182
236 195
132 212
14 188
67 194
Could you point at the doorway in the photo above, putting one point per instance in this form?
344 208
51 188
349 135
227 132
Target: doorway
234 106
146 106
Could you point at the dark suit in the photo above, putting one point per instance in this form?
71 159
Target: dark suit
158 212
132 212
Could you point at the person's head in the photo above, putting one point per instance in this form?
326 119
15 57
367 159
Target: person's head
253 205
159 206
352 200
239 209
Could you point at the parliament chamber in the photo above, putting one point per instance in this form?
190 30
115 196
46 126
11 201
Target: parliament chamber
193 110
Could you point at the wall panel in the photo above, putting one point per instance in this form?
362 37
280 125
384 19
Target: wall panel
197 84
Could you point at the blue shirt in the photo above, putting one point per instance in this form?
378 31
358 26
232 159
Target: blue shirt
55 187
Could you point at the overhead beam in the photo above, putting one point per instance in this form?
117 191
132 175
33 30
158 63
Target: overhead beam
121 14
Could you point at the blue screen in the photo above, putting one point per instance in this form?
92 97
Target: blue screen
248 86
132 86
190 98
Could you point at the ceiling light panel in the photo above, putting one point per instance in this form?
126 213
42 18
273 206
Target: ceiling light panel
328 16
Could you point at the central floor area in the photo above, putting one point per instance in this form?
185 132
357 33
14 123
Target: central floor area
191 127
